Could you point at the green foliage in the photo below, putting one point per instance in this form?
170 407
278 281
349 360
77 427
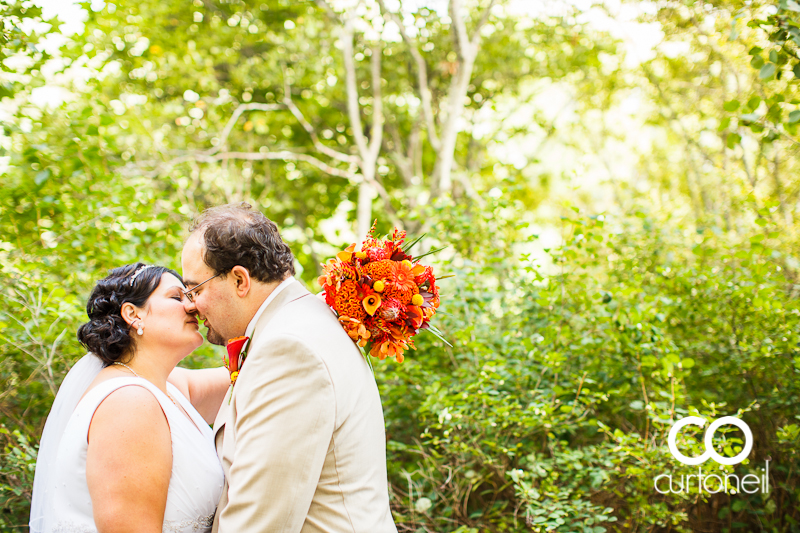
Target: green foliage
778 66
551 411
16 478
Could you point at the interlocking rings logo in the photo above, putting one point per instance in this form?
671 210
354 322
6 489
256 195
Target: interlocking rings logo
709 440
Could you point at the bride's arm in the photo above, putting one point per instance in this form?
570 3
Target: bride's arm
129 462
205 388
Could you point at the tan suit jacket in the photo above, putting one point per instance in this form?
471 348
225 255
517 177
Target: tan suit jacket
302 439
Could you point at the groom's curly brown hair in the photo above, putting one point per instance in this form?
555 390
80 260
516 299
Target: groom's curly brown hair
237 234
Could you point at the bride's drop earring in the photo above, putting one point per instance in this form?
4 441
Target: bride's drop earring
140 330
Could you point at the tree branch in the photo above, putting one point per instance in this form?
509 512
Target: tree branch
353 110
283 155
328 10
377 104
404 163
476 37
422 76
330 152
223 138
460 30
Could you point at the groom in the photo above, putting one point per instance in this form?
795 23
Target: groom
301 434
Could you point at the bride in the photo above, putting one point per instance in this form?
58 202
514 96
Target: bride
127 445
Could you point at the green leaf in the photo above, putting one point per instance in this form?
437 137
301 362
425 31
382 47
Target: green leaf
767 71
791 5
41 177
750 117
796 70
773 56
417 258
761 222
757 62
753 103
407 246
794 116
436 333
733 139
731 106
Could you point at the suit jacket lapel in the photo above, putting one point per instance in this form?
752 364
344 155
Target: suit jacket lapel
289 294
223 414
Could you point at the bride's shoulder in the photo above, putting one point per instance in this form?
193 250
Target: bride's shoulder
107 374
132 409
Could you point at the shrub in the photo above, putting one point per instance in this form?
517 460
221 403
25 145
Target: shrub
552 409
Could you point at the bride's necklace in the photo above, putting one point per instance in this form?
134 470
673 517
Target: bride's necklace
138 376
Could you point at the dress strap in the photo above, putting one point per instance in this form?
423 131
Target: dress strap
92 400
187 406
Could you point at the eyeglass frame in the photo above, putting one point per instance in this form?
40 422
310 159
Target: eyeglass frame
188 292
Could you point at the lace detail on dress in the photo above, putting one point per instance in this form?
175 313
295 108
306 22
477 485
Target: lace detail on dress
198 524
72 527
170 526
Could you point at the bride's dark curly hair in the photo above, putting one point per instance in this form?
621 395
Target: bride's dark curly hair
107 335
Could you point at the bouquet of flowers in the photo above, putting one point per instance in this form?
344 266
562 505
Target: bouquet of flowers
382 295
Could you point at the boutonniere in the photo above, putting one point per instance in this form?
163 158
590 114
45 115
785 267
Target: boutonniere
237 353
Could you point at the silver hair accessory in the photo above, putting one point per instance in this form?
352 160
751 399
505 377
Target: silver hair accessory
138 271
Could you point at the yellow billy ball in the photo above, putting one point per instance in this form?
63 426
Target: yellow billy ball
417 299
378 286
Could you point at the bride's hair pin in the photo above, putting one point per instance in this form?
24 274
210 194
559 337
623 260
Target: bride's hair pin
135 274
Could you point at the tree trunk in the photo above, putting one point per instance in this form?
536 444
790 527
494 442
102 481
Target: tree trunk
365 196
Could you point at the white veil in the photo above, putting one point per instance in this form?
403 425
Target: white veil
69 394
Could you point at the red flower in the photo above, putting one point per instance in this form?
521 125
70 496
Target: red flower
234 347
414 316
381 296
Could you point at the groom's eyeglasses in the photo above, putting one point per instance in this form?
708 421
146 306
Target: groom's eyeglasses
188 292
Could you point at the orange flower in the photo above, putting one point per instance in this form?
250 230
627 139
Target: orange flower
347 254
401 276
347 302
382 297
372 303
389 348
378 270
393 291
414 316
355 330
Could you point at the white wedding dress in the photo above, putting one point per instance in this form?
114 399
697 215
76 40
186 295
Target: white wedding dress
195 485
